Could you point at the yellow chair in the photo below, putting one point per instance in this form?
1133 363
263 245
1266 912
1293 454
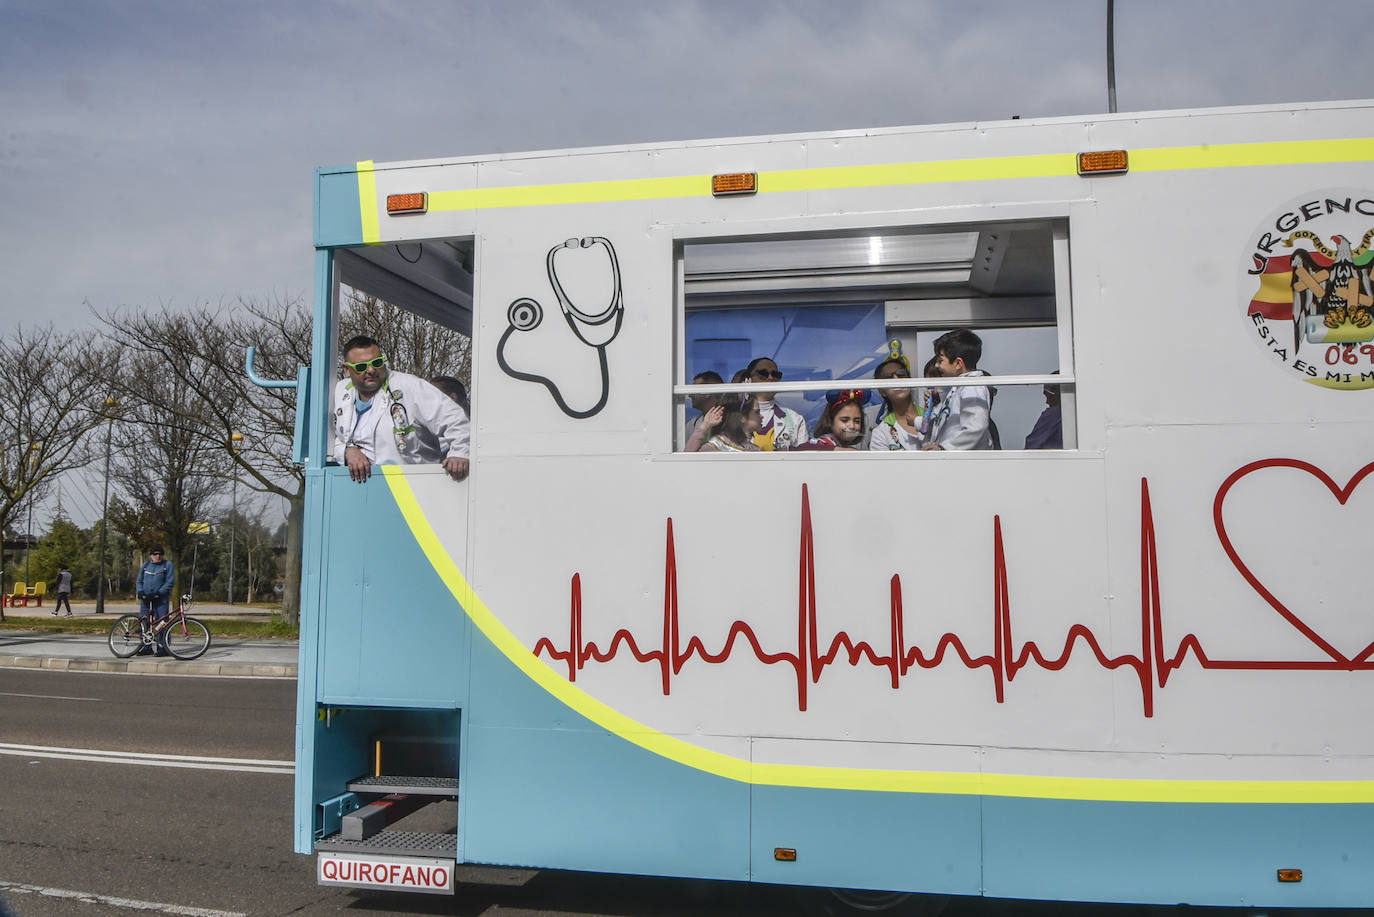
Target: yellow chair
20 595
37 591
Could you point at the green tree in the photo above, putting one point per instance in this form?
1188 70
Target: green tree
254 558
69 544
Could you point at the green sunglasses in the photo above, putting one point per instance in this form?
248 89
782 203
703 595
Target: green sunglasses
362 367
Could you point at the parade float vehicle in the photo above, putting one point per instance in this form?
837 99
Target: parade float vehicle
1135 668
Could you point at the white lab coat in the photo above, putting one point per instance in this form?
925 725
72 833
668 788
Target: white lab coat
962 421
405 401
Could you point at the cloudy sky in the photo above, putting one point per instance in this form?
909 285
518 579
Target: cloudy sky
161 153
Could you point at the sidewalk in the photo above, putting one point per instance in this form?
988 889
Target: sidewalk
255 657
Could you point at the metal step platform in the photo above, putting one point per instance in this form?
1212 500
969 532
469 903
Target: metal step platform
400 843
414 786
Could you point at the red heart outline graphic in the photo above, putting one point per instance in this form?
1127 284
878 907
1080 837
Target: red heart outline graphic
1342 494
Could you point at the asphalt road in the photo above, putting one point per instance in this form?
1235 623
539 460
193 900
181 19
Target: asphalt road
85 829
85 834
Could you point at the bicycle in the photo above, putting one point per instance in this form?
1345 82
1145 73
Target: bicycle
185 637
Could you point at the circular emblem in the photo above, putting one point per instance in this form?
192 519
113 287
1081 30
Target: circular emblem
1308 287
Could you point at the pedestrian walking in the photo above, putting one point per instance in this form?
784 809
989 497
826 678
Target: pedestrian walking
64 591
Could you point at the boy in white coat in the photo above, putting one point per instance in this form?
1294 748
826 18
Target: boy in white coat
963 420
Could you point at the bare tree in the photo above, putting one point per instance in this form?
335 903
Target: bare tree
411 343
170 465
52 402
201 353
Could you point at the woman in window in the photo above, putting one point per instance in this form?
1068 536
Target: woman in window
898 427
783 428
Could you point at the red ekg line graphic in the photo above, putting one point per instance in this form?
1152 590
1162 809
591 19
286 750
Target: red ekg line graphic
1151 666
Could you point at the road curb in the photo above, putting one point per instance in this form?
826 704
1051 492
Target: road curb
150 667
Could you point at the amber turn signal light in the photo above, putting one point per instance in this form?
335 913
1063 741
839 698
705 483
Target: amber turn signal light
1103 162
785 854
397 204
728 183
1290 875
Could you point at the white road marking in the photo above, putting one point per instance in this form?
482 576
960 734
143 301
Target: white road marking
199 762
110 901
47 696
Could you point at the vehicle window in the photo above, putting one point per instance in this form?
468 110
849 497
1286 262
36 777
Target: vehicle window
411 305
827 311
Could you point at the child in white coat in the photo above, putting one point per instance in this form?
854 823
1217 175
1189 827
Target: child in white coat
963 419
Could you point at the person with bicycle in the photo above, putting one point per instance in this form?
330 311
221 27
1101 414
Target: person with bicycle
154 587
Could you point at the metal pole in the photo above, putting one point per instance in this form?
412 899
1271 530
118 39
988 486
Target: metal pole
104 509
28 543
234 440
195 553
233 501
1111 56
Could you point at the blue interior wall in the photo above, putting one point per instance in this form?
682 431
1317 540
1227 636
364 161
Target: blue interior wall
807 342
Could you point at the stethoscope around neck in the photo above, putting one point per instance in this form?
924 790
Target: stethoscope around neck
596 330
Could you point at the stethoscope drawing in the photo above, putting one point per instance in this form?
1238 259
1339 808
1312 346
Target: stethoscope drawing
596 330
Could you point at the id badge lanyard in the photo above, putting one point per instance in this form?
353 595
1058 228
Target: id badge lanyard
401 427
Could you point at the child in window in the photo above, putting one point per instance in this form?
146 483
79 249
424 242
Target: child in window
962 419
728 427
842 424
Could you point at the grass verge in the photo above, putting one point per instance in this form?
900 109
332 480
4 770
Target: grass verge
100 624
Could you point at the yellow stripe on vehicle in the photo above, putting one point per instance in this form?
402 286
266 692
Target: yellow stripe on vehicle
1227 155
806 776
367 202
592 192
833 178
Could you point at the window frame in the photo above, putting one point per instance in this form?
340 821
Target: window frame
1059 221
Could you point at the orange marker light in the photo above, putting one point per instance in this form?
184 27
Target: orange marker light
1290 875
728 183
397 204
785 854
1104 162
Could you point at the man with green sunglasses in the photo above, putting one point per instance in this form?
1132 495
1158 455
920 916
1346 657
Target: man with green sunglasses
381 416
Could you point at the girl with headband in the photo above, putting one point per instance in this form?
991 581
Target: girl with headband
898 426
842 424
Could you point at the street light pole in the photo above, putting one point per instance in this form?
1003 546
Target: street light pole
235 439
28 528
28 542
111 405
1111 56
